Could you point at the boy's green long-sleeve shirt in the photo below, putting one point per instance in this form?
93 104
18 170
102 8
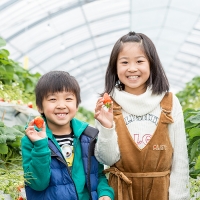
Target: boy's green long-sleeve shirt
37 158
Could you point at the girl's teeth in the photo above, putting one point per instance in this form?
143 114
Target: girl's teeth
133 77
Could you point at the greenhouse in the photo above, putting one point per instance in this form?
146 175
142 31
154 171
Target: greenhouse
78 37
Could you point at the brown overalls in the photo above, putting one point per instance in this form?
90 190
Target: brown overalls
143 174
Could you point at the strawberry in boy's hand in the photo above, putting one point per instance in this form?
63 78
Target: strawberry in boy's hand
38 121
107 100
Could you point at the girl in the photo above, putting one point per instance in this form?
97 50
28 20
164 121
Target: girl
146 144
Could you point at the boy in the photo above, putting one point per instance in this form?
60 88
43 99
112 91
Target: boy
58 159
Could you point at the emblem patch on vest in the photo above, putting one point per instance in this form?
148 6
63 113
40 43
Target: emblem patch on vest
159 147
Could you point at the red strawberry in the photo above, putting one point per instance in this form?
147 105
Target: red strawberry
107 100
38 121
2 99
30 105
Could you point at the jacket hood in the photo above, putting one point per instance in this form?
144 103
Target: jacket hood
78 127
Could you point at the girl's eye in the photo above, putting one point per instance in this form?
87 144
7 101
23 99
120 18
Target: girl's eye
125 62
140 61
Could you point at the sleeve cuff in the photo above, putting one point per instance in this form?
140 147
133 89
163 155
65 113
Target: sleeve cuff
41 145
106 133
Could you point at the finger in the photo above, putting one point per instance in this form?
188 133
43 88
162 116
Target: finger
29 128
96 114
98 106
30 132
31 123
100 100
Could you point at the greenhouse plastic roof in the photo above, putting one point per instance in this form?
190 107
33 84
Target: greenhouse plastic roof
78 35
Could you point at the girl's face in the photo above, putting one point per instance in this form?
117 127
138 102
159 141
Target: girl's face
59 109
133 68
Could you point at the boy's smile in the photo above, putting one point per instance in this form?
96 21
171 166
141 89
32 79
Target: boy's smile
59 108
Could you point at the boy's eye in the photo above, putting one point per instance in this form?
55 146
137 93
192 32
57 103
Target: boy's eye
52 99
69 99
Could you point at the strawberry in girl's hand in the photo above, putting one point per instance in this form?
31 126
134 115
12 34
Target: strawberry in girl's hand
38 121
107 100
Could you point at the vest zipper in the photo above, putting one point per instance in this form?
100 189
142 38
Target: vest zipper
65 163
89 164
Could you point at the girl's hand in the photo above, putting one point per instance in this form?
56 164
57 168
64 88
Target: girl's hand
104 115
34 135
105 198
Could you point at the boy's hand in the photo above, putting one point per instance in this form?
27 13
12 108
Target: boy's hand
104 115
34 135
105 198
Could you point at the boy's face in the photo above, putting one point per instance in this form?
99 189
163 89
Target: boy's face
59 108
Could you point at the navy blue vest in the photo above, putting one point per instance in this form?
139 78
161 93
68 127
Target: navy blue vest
61 186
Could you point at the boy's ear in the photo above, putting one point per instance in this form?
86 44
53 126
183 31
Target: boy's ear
39 110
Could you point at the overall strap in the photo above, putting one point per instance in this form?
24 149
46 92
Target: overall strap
116 108
166 102
166 106
88 140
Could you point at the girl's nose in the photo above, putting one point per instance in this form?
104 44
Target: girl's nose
132 68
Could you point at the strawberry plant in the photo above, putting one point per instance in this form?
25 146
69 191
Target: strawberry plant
11 173
11 181
192 127
189 98
12 71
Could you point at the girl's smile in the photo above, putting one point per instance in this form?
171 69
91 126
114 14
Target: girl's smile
133 68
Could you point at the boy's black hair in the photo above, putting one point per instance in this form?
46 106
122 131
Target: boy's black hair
56 81
157 79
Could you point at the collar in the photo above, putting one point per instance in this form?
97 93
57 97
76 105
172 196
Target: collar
137 104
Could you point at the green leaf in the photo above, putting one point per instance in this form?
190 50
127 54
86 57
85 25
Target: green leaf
1 124
195 119
197 165
19 128
189 125
4 52
16 143
2 42
5 62
2 68
10 69
187 112
194 132
194 150
3 149
194 173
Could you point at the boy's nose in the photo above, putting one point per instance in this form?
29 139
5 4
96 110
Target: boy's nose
61 105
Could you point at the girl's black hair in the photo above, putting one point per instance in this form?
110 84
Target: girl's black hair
157 79
56 81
